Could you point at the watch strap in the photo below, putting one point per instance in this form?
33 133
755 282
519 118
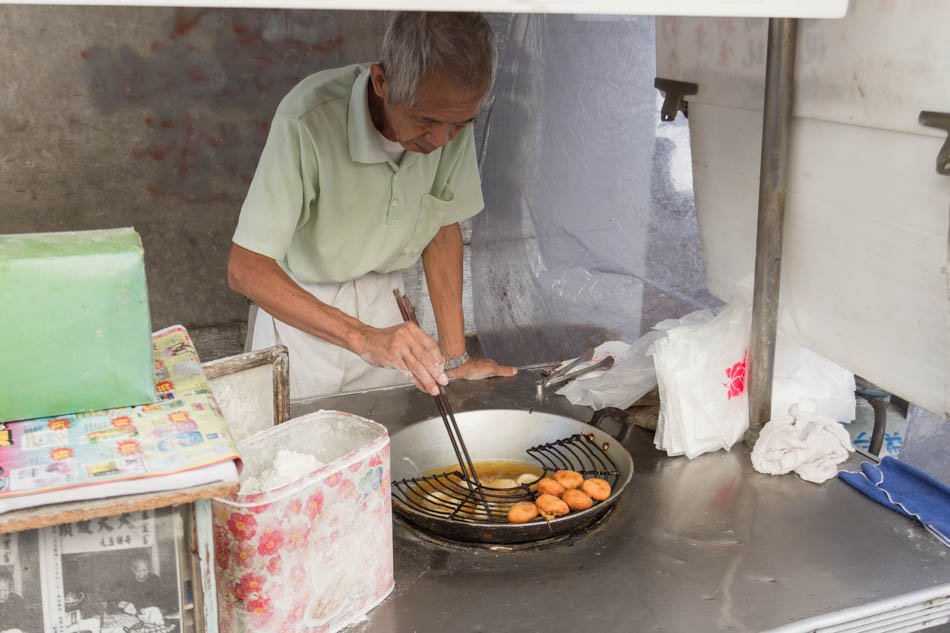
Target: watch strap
457 361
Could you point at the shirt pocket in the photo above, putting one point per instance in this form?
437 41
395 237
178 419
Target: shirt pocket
432 212
442 203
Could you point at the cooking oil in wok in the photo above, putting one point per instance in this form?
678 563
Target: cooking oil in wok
498 473
504 481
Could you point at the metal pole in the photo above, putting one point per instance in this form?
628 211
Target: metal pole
773 178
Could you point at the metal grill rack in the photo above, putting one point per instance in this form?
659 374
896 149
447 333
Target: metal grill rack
454 497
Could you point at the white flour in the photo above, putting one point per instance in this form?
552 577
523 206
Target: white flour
287 466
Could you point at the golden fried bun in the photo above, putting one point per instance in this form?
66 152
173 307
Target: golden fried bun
522 512
550 507
569 478
527 478
576 500
597 489
548 486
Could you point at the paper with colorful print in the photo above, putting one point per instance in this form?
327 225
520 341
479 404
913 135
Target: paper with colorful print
183 431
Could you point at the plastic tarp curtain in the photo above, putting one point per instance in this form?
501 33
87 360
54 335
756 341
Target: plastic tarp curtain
589 231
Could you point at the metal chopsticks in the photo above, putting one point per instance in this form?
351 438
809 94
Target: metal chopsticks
442 402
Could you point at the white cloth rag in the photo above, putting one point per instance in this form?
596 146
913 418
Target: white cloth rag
812 445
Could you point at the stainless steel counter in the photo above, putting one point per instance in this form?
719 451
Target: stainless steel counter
700 545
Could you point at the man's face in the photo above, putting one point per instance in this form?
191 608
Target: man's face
4 589
140 569
440 113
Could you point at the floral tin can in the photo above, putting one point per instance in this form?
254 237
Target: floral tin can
316 553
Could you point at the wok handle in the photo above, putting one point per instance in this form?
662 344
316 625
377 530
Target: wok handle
621 416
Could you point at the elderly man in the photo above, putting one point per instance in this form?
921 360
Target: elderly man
141 590
366 168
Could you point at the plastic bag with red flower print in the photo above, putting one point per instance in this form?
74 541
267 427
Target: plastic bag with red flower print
701 372
701 375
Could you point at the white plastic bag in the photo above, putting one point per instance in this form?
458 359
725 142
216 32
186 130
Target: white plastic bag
801 373
632 375
701 373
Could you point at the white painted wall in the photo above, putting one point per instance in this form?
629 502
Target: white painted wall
865 263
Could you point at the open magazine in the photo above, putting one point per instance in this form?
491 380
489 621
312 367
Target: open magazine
118 574
179 441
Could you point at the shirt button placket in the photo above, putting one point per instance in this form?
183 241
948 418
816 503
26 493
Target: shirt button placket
394 214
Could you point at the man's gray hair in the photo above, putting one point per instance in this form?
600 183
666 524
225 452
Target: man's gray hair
459 47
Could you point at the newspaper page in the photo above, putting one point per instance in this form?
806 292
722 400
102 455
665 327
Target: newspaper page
184 431
121 574
21 607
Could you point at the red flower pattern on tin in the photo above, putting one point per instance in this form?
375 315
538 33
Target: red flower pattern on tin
242 526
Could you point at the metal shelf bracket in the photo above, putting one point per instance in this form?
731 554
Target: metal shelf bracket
673 93
939 120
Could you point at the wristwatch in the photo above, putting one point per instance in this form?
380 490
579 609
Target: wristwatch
456 362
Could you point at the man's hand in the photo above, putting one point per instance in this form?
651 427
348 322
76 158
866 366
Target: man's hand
408 348
478 368
128 607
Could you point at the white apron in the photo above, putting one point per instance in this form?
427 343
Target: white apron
318 368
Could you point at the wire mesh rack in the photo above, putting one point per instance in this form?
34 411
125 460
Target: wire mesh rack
453 497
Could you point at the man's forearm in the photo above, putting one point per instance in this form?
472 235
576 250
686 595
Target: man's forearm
260 279
404 346
442 261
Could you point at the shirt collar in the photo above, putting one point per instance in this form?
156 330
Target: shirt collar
364 144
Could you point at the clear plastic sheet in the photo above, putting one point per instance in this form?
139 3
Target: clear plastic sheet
589 231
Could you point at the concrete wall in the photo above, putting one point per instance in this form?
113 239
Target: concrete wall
154 118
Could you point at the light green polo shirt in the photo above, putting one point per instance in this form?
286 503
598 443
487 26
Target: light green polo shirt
328 204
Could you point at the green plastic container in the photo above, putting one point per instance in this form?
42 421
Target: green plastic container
75 333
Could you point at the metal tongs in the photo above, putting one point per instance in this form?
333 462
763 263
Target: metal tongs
442 401
561 376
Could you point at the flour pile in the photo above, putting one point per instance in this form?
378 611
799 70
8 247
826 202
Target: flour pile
287 466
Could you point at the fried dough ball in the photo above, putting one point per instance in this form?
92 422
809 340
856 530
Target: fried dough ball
504 483
597 489
576 500
522 512
569 478
548 486
550 506
527 478
438 499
